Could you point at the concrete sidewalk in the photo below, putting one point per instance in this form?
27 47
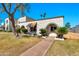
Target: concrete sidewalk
39 49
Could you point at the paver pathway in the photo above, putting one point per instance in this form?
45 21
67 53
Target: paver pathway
39 49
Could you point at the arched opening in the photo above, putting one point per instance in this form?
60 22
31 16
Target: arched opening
51 27
17 26
32 26
22 27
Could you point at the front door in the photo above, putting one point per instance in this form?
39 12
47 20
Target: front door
51 28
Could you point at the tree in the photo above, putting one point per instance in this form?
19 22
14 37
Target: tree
43 15
8 9
61 31
23 8
67 25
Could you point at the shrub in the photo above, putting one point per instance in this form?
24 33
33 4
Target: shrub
61 31
24 30
43 32
18 30
67 25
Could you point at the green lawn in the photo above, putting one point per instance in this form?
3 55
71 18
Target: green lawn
63 48
10 45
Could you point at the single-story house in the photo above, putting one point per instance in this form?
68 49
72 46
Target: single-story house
34 26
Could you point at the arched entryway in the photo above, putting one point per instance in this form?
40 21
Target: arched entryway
17 26
22 27
32 27
51 27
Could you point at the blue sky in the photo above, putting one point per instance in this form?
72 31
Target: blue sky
70 11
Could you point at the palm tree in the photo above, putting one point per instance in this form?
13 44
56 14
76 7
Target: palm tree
41 15
7 8
44 15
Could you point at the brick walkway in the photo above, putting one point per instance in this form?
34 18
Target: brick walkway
39 49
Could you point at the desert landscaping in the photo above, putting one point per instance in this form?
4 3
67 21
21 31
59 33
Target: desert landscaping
71 35
10 45
68 47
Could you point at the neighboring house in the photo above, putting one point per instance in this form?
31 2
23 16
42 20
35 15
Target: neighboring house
34 26
2 26
75 29
8 25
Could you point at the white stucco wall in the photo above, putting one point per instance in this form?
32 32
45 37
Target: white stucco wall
22 19
23 24
43 23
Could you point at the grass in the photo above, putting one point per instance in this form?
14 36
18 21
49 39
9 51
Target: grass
64 48
9 45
